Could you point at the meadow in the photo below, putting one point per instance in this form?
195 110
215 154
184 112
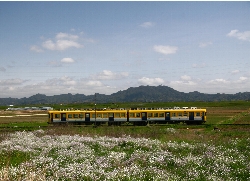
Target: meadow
30 149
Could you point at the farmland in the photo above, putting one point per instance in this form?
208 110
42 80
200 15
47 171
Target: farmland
30 149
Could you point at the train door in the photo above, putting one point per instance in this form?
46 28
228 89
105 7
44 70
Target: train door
144 116
191 115
63 116
111 116
51 117
203 116
167 116
87 116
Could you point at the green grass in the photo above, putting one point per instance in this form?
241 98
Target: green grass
225 104
22 126
232 136
13 158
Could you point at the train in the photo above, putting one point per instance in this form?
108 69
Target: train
144 116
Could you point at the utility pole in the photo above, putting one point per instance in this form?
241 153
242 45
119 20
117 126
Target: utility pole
95 109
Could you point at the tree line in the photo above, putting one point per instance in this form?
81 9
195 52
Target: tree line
132 94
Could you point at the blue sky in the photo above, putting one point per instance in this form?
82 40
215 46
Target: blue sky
102 47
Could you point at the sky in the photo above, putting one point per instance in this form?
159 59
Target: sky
57 48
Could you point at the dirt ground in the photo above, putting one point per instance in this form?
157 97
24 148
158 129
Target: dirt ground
3 112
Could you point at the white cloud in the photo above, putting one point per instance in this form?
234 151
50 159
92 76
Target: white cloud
185 77
235 71
200 65
242 79
11 82
60 44
109 75
94 83
232 33
221 85
218 81
165 49
61 62
66 36
65 44
67 60
245 36
182 83
67 81
36 49
185 84
150 81
62 41
49 44
63 85
106 74
18 88
147 24
205 44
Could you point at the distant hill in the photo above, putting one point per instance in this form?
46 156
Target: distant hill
132 94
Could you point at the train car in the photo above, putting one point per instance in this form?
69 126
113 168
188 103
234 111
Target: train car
161 116
136 117
88 116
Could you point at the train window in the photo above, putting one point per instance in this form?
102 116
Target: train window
173 114
185 114
111 115
122 114
69 115
105 115
81 116
197 114
117 115
161 115
180 114
155 114
150 115
138 115
99 115
131 114
75 115
87 115
93 115
57 115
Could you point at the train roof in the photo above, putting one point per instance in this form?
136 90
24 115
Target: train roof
132 110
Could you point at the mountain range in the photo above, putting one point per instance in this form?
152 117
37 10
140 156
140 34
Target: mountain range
132 94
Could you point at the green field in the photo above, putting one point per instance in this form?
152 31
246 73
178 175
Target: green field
30 149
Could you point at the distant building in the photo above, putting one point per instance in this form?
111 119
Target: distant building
28 108
46 108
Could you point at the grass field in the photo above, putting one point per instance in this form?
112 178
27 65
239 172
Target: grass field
30 149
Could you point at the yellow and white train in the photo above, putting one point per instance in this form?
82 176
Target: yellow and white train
136 117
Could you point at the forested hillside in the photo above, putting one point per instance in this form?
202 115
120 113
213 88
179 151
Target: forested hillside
132 94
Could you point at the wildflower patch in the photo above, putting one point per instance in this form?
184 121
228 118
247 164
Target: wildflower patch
76 157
